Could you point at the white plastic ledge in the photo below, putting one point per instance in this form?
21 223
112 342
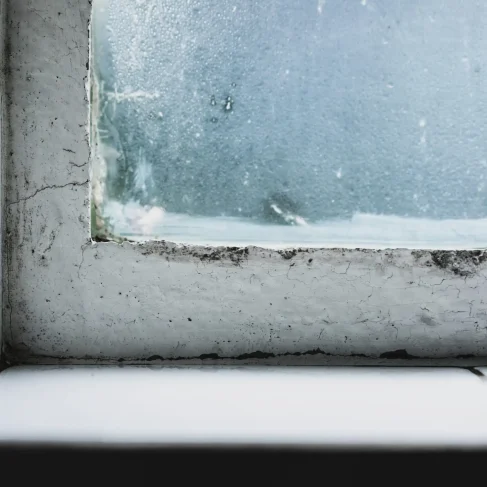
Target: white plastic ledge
326 407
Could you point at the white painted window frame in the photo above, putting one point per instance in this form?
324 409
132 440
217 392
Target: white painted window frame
68 299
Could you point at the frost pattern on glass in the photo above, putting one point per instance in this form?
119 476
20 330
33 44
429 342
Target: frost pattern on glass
317 122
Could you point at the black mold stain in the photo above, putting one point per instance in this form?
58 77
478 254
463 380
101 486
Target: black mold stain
459 262
211 356
462 263
100 238
254 355
288 254
398 354
258 355
154 357
17 357
236 255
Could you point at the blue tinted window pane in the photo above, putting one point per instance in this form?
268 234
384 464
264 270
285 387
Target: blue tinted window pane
320 122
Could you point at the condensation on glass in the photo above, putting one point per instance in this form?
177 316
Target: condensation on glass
310 123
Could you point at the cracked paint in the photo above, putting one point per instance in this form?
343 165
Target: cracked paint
37 191
70 299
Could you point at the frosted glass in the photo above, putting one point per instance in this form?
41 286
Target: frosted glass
321 123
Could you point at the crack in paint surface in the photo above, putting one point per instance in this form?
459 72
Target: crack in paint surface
44 188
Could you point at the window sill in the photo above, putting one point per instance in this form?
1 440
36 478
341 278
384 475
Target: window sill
215 406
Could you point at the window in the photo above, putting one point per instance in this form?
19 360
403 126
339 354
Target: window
71 299
317 124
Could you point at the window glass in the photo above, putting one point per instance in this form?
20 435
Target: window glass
283 122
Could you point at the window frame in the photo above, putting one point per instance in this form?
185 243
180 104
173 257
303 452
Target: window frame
69 299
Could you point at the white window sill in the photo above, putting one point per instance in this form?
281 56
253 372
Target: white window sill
291 406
